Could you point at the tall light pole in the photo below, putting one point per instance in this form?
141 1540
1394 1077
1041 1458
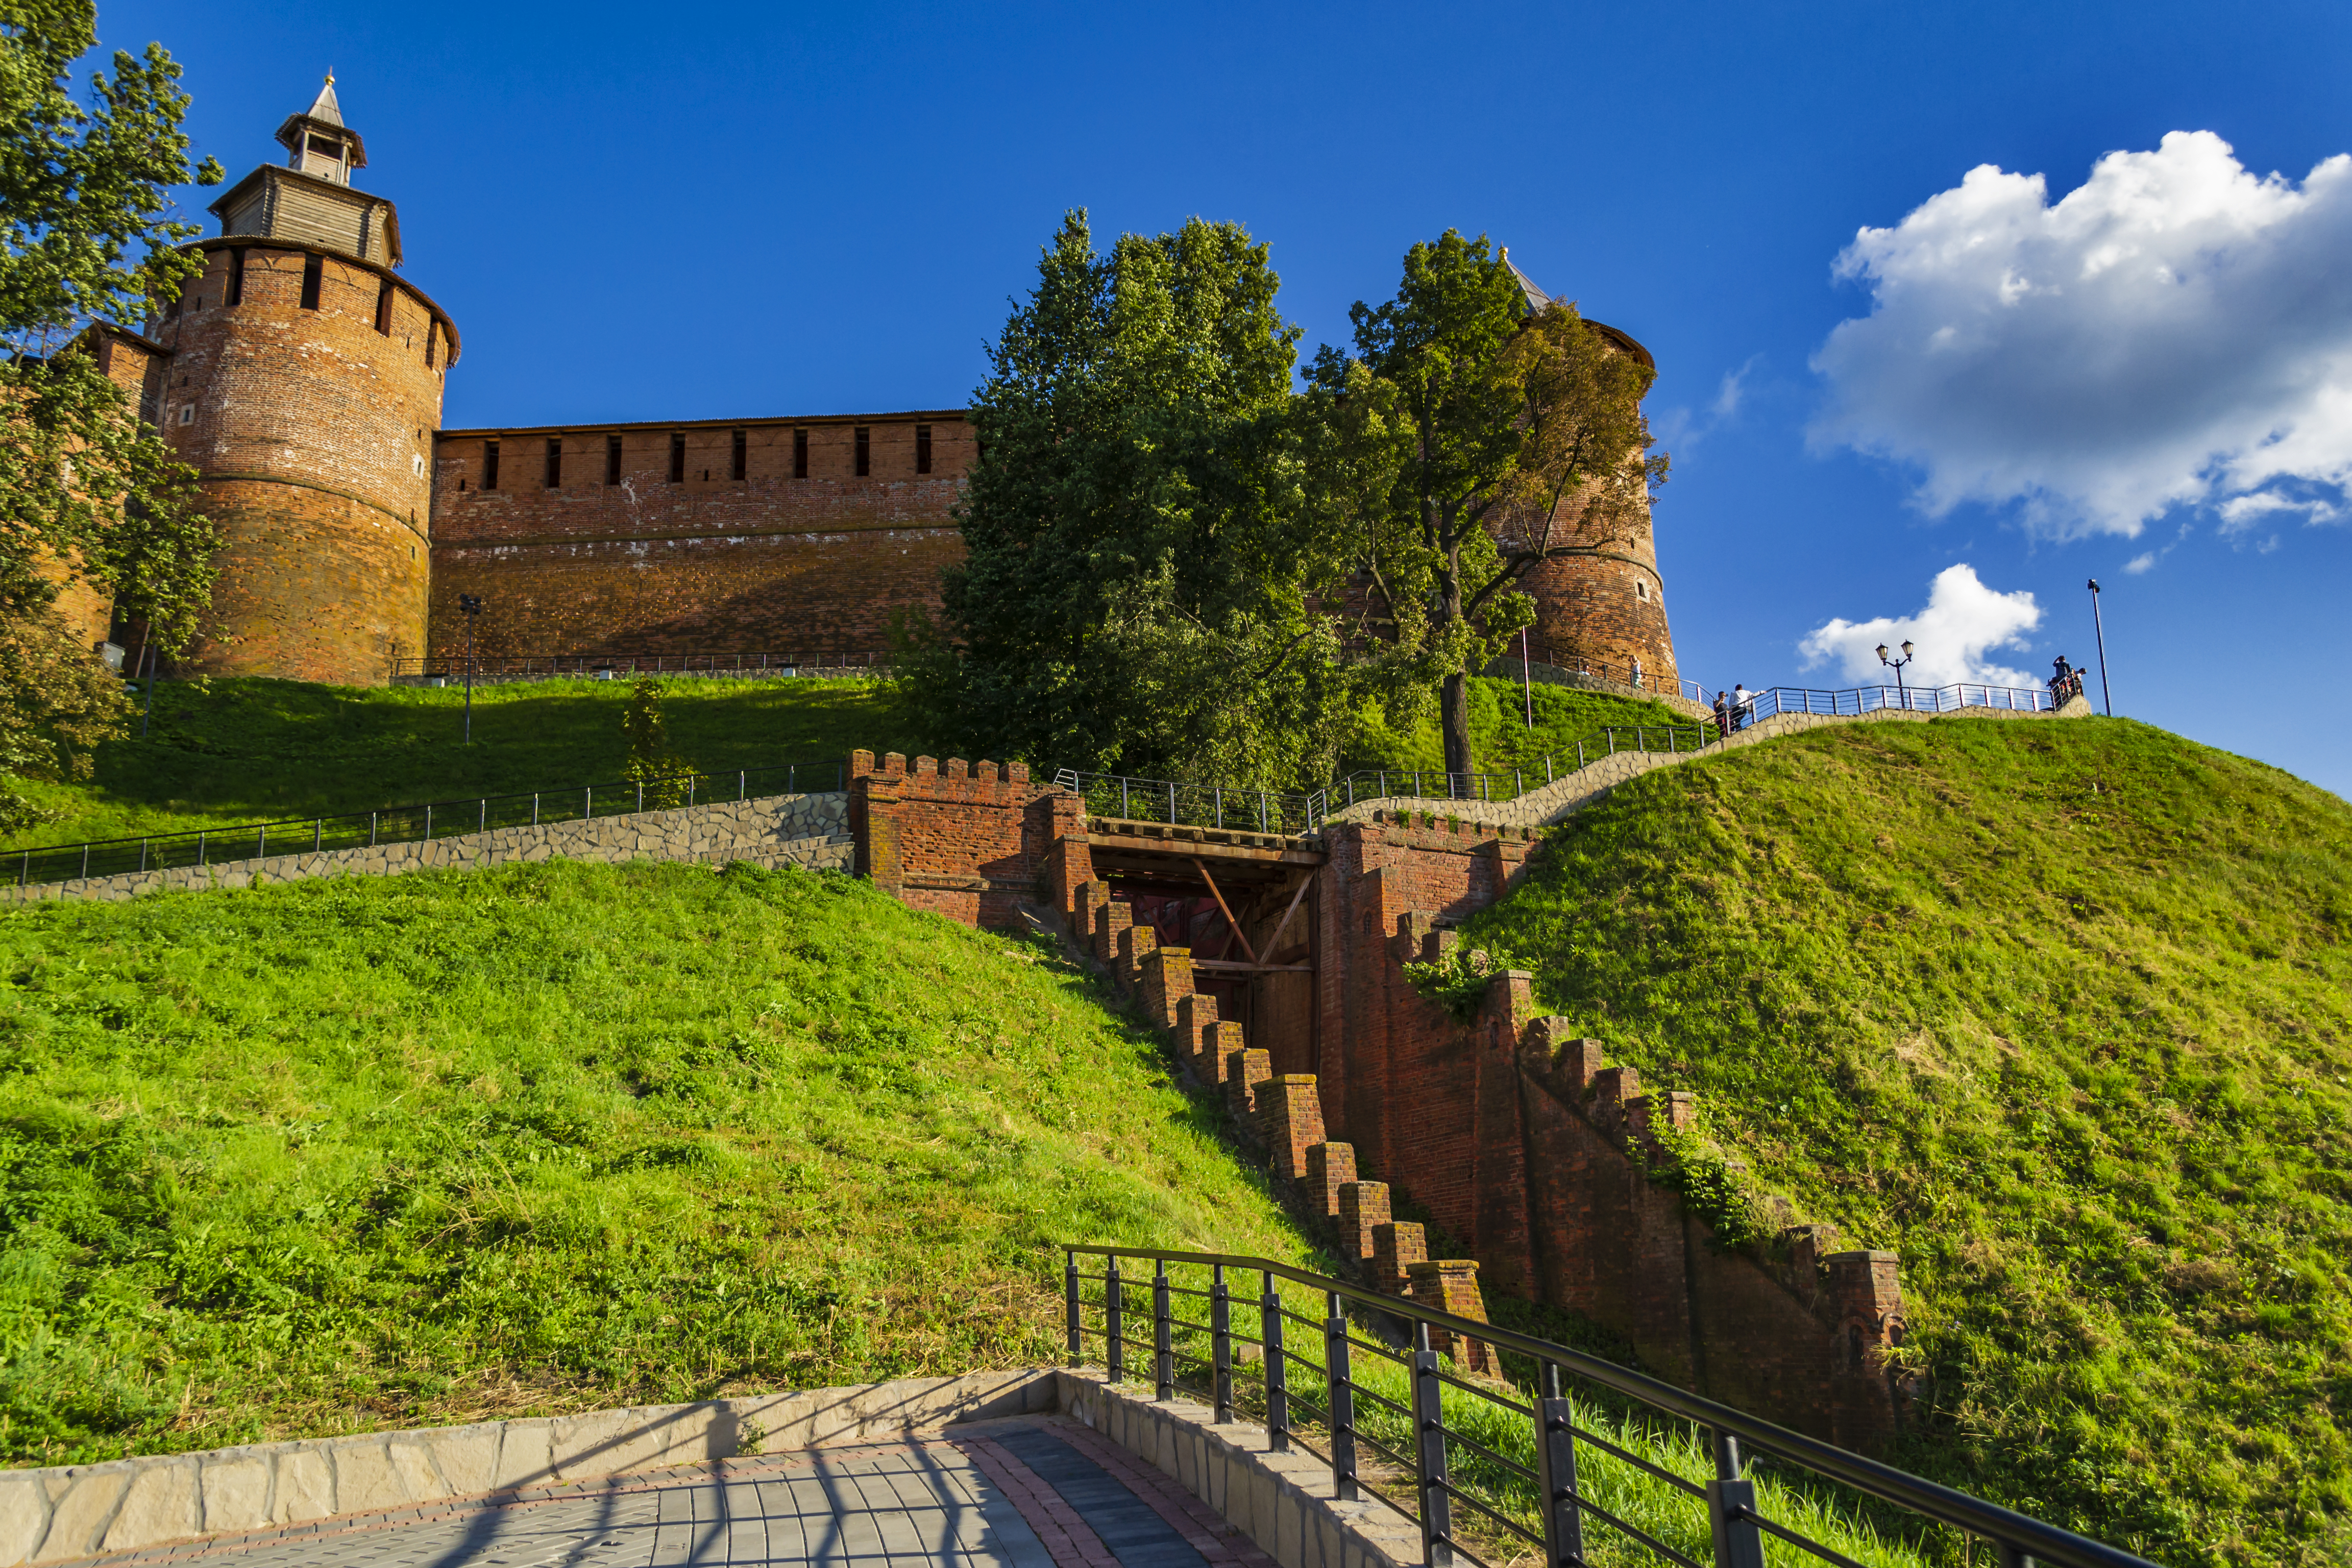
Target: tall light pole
1897 666
472 604
2101 627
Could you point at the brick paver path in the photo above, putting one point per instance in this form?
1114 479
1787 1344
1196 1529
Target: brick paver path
1029 1493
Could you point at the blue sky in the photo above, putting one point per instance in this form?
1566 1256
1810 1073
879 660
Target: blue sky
713 211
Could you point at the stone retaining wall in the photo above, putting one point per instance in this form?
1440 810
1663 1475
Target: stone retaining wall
809 830
1283 1501
1555 802
51 1515
1277 1500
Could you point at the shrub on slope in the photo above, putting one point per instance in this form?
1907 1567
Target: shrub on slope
2063 1012
339 1155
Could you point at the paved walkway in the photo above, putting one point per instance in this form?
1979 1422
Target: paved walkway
1039 1492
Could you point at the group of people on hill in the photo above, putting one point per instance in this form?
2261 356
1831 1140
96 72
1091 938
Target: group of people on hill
2066 681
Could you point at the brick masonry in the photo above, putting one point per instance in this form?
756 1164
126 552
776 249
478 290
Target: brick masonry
312 431
805 830
355 524
969 840
634 562
1527 1151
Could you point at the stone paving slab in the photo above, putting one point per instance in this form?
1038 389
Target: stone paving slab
1036 1492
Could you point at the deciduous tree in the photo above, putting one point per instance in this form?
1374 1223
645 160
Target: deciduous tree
1469 439
1145 586
87 492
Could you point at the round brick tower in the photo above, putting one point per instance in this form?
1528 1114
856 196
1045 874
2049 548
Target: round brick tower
1604 612
304 384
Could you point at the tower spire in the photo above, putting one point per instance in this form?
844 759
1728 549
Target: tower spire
325 106
318 141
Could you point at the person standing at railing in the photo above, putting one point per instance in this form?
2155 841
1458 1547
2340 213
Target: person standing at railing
1743 705
1723 715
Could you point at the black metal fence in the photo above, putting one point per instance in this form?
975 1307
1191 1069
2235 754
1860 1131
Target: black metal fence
1267 811
1490 1469
411 823
1193 805
624 665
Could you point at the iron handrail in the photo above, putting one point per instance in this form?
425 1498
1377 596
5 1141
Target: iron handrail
384 824
1730 1497
1220 806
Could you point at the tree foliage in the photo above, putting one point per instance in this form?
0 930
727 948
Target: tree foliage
1146 584
88 494
653 763
1466 441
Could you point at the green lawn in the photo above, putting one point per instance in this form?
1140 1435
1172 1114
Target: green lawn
347 1154
2063 1012
234 752
249 751
1501 739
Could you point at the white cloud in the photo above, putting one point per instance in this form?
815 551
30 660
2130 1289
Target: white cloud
2144 562
1734 388
1963 621
2176 332
2244 512
1680 432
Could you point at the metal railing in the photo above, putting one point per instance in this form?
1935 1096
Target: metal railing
1390 783
551 665
1193 805
407 824
1776 700
1266 811
1421 1447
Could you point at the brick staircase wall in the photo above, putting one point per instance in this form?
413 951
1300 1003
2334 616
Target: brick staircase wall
1531 1155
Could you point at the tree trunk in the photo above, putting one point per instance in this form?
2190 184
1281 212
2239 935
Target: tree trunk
1453 717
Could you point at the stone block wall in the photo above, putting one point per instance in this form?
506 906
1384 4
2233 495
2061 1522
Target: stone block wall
805 830
69 1512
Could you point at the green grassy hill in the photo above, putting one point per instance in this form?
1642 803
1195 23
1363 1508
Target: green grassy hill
2063 1012
233 752
1501 738
250 751
341 1155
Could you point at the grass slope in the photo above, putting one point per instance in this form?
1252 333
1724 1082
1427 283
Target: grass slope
339 1155
1501 739
249 751
2063 1011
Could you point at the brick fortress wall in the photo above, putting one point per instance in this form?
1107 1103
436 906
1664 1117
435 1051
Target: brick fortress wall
1523 1148
633 562
312 430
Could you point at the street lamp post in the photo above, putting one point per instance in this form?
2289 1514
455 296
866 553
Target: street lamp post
1897 666
2107 698
472 604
